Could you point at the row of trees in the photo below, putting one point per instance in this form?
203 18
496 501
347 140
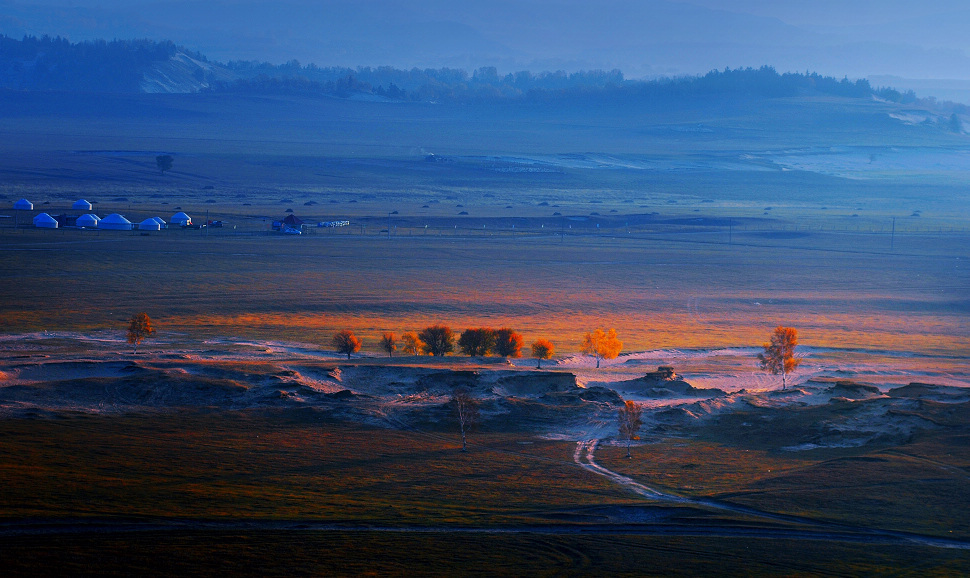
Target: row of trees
439 340
778 355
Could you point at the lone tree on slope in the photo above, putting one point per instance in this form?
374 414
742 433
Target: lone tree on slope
466 410
438 340
542 349
139 327
164 163
630 420
508 343
344 341
779 353
602 345
389 343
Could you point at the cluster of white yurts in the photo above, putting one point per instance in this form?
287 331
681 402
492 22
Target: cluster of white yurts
113 222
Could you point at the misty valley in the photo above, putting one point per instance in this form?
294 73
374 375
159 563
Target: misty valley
610 259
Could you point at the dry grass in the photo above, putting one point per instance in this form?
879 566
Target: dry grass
356 554
281 465
919 486
657 293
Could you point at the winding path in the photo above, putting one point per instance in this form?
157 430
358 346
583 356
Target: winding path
584 456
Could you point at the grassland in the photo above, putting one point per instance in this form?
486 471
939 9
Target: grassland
198 470
659 291
680 228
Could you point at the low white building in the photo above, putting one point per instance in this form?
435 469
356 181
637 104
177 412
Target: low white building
81 205
89 220
181 219
45 221
149 225
115 222
23 205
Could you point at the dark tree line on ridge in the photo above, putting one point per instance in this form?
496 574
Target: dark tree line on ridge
56 64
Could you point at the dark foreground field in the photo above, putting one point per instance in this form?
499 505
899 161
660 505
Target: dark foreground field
294 492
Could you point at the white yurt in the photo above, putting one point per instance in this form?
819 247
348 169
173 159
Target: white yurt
161 222
45 221
89 220
149 225
181 219
115 222
81 205
23 205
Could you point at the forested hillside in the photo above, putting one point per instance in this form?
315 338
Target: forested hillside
136 66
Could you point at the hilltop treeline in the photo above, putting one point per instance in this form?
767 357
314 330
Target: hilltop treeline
448 84
97 66
55 64
429 84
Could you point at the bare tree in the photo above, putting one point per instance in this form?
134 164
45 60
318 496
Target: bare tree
437 340
164 163
604 345
139 327
779 353
630 421
478 341
508 343
410 344
466 410
389 343
344 341
542 349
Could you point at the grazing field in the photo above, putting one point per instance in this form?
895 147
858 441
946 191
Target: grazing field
293 491
236 441
673 290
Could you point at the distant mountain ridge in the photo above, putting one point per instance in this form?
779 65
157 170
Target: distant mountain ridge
145 66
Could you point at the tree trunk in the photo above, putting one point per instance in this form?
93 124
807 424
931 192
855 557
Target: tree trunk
597 362
464 445
628 455
784 380
538 364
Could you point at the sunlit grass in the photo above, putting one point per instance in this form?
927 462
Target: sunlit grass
657 294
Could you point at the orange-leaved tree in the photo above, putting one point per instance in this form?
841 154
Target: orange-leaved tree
779 353
410 344
542 349
139 327
630 418
344 341
603 345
